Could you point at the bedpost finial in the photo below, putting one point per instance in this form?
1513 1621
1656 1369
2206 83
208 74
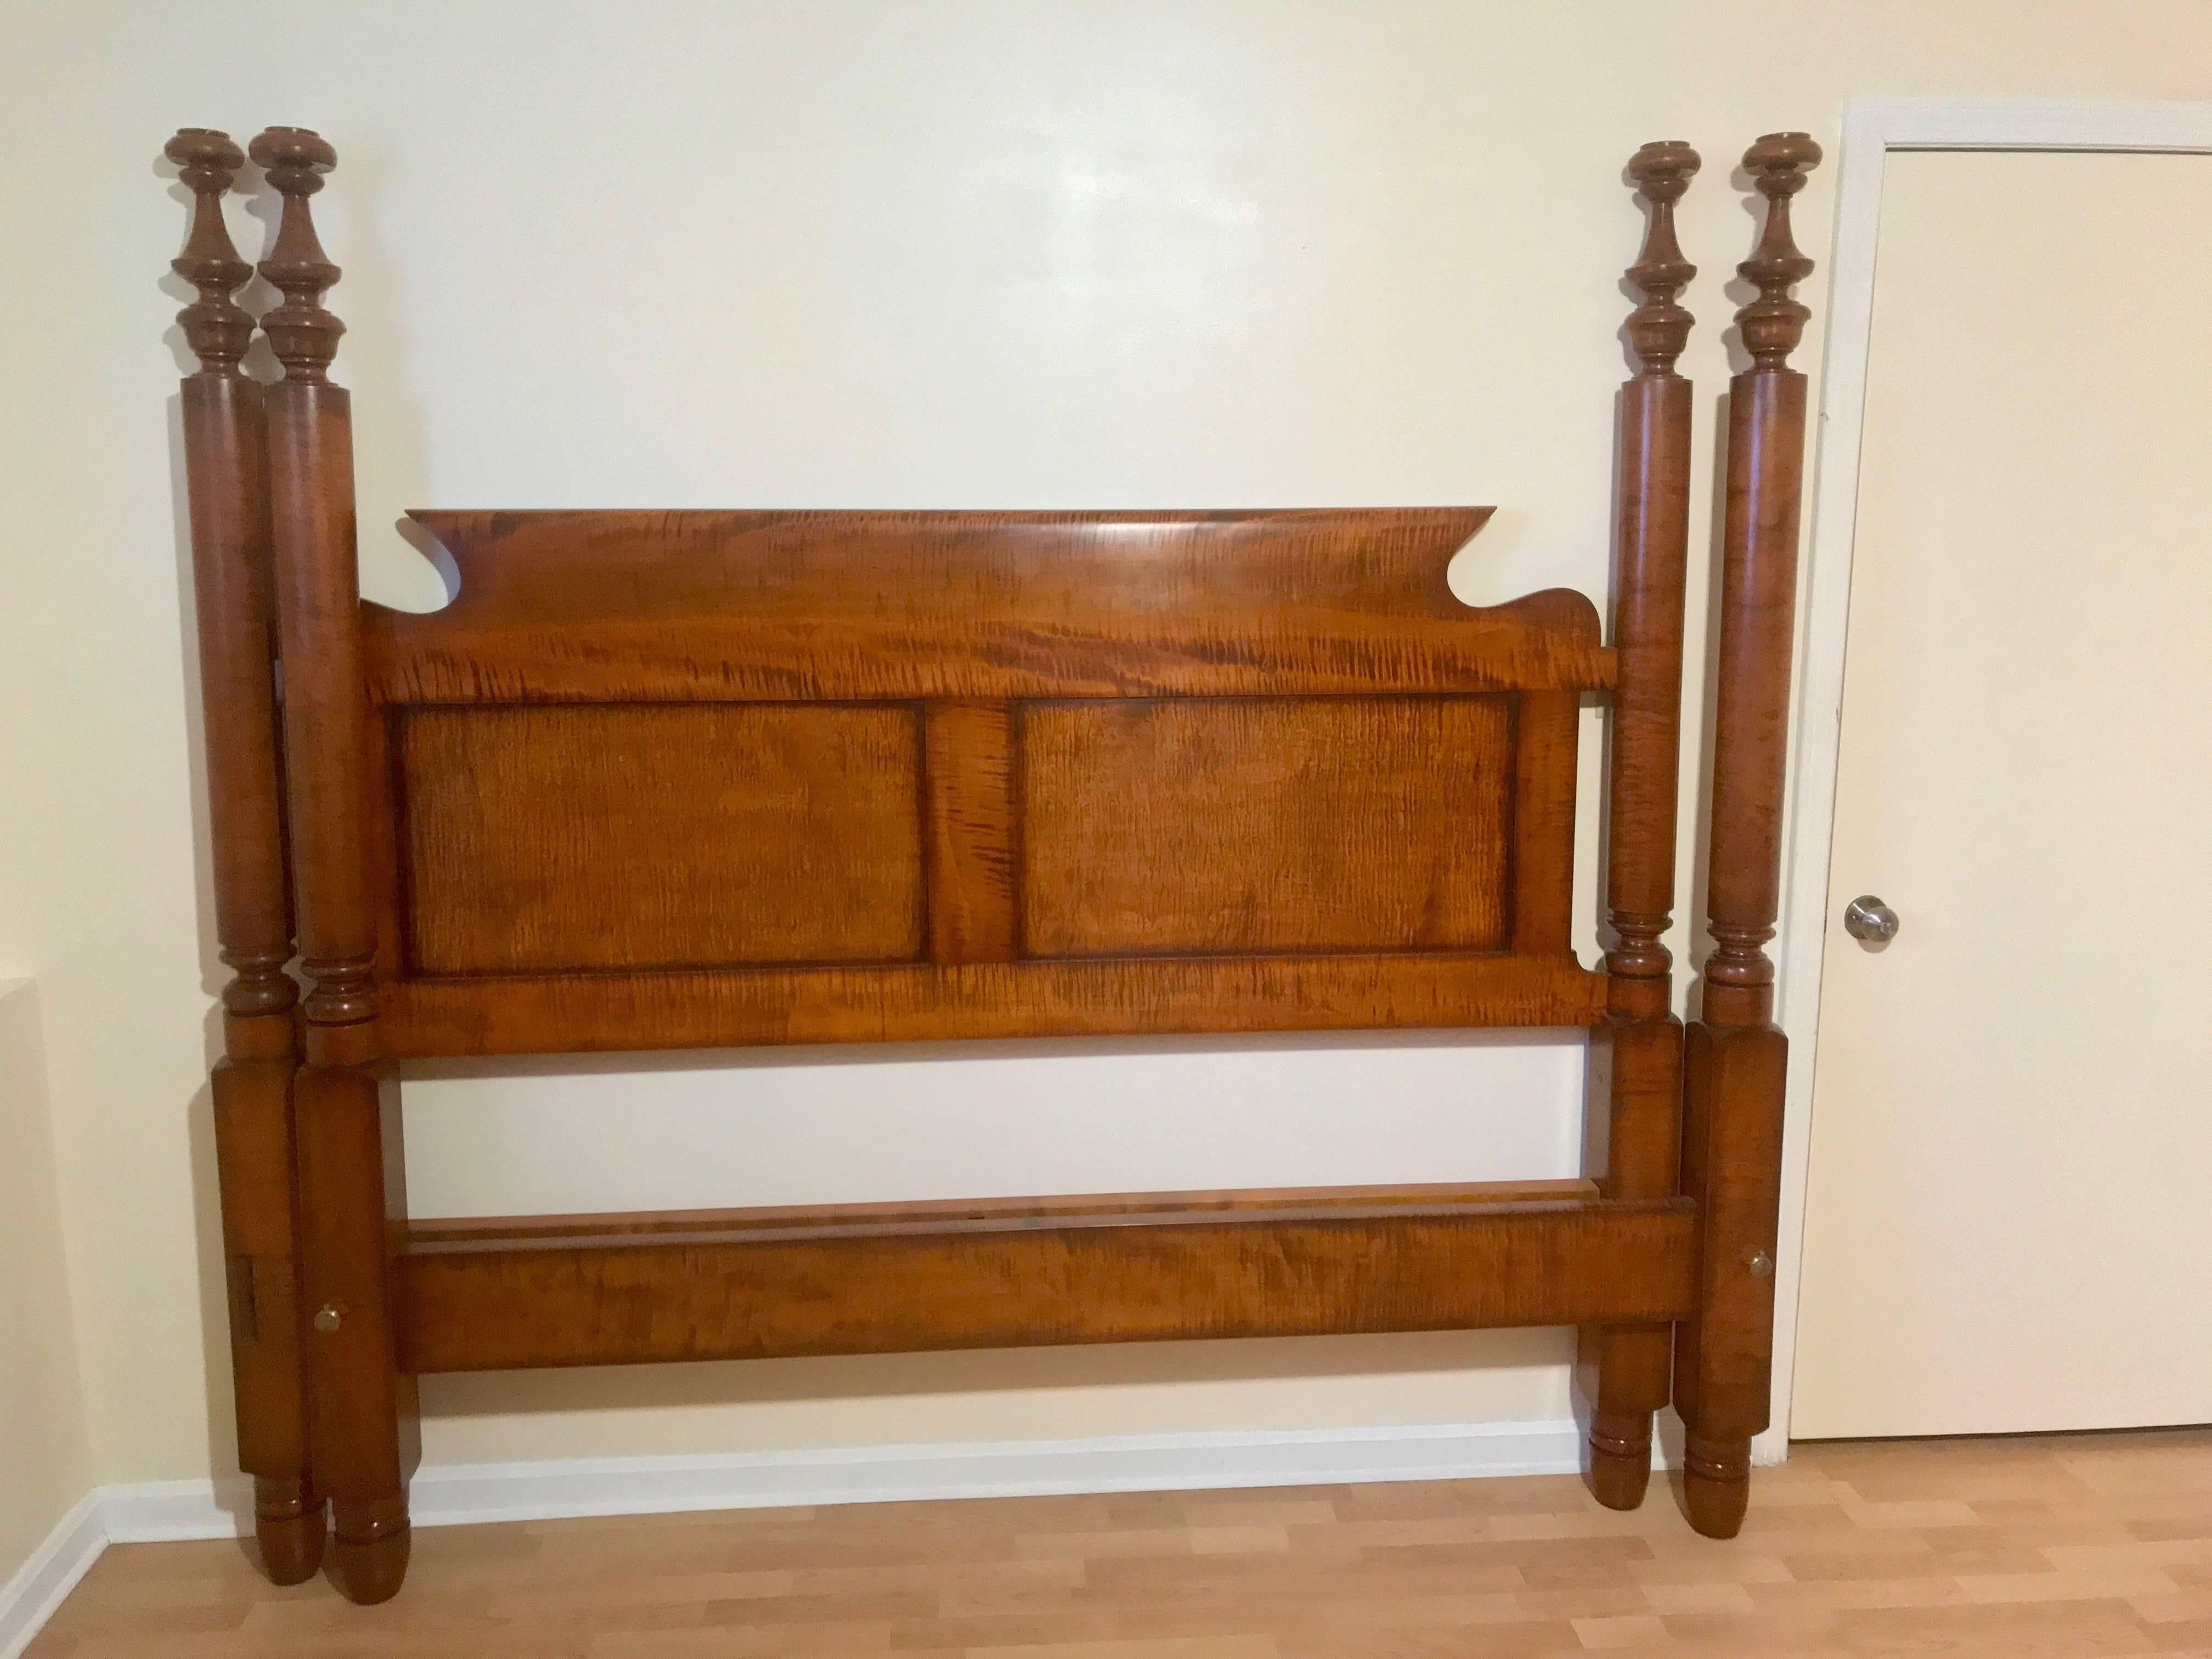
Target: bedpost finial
1659 328
1773 323
304 334
216 327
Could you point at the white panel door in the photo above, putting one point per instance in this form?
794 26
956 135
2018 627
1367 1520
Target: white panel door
2007 1224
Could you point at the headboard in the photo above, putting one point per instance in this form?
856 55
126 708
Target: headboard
660 780
682 779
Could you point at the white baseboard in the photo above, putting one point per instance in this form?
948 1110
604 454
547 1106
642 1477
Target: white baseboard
28 1599
460 1493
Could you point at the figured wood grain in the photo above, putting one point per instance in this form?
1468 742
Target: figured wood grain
1542 828
1736 1056
362 1418
325 709
974 832
255 1152
1632 1121
1634 1110
603 606
1265 824
225 467
576 1014
1024 1280
463 1232
655 836
234 607
611 797
1651 558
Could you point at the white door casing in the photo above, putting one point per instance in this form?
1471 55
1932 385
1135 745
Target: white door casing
1872 130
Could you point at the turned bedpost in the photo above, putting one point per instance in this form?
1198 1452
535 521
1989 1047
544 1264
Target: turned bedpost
252 1085
362 1407
1732 1138
1637 1054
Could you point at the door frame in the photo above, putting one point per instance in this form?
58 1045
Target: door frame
1872 129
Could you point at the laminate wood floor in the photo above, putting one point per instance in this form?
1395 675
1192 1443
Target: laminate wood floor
2046 1548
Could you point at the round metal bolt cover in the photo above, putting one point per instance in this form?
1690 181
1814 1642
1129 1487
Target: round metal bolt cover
1868 918
327 1318
1761 1264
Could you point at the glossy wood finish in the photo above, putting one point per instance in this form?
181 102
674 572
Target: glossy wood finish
1634 1112
1204 826
460 1230
973 844
1651 572
351 1172
713 606
582 1013
1732 1142
319 612
252 1085
485 1298
669 779
662 780
2032 1548
361 1416
658 836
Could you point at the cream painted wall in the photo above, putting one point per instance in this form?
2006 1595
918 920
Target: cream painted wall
45 1458
857 252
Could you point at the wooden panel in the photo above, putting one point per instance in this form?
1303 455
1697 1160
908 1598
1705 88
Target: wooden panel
637 836
578 1013
1544 822
801 606
1024 1280
972 832
1252 824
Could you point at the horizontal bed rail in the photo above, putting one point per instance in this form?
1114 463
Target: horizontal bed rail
580 1013
628 607
504 1294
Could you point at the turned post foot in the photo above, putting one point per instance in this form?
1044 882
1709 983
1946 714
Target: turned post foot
288 1527
370 1547
1717 1485
1620 1458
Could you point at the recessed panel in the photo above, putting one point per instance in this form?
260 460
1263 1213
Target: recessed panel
1181 826
639 837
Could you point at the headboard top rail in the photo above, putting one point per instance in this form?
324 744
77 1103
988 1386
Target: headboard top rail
823 605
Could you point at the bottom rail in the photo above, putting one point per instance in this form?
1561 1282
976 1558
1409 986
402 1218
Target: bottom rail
501 1294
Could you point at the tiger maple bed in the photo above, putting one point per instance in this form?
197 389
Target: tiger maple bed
659 780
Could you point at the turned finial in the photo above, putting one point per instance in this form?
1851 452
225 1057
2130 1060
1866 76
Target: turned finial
304 335
1773 323
216 327
1659 328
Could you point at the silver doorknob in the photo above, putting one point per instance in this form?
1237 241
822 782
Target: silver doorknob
1868 918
